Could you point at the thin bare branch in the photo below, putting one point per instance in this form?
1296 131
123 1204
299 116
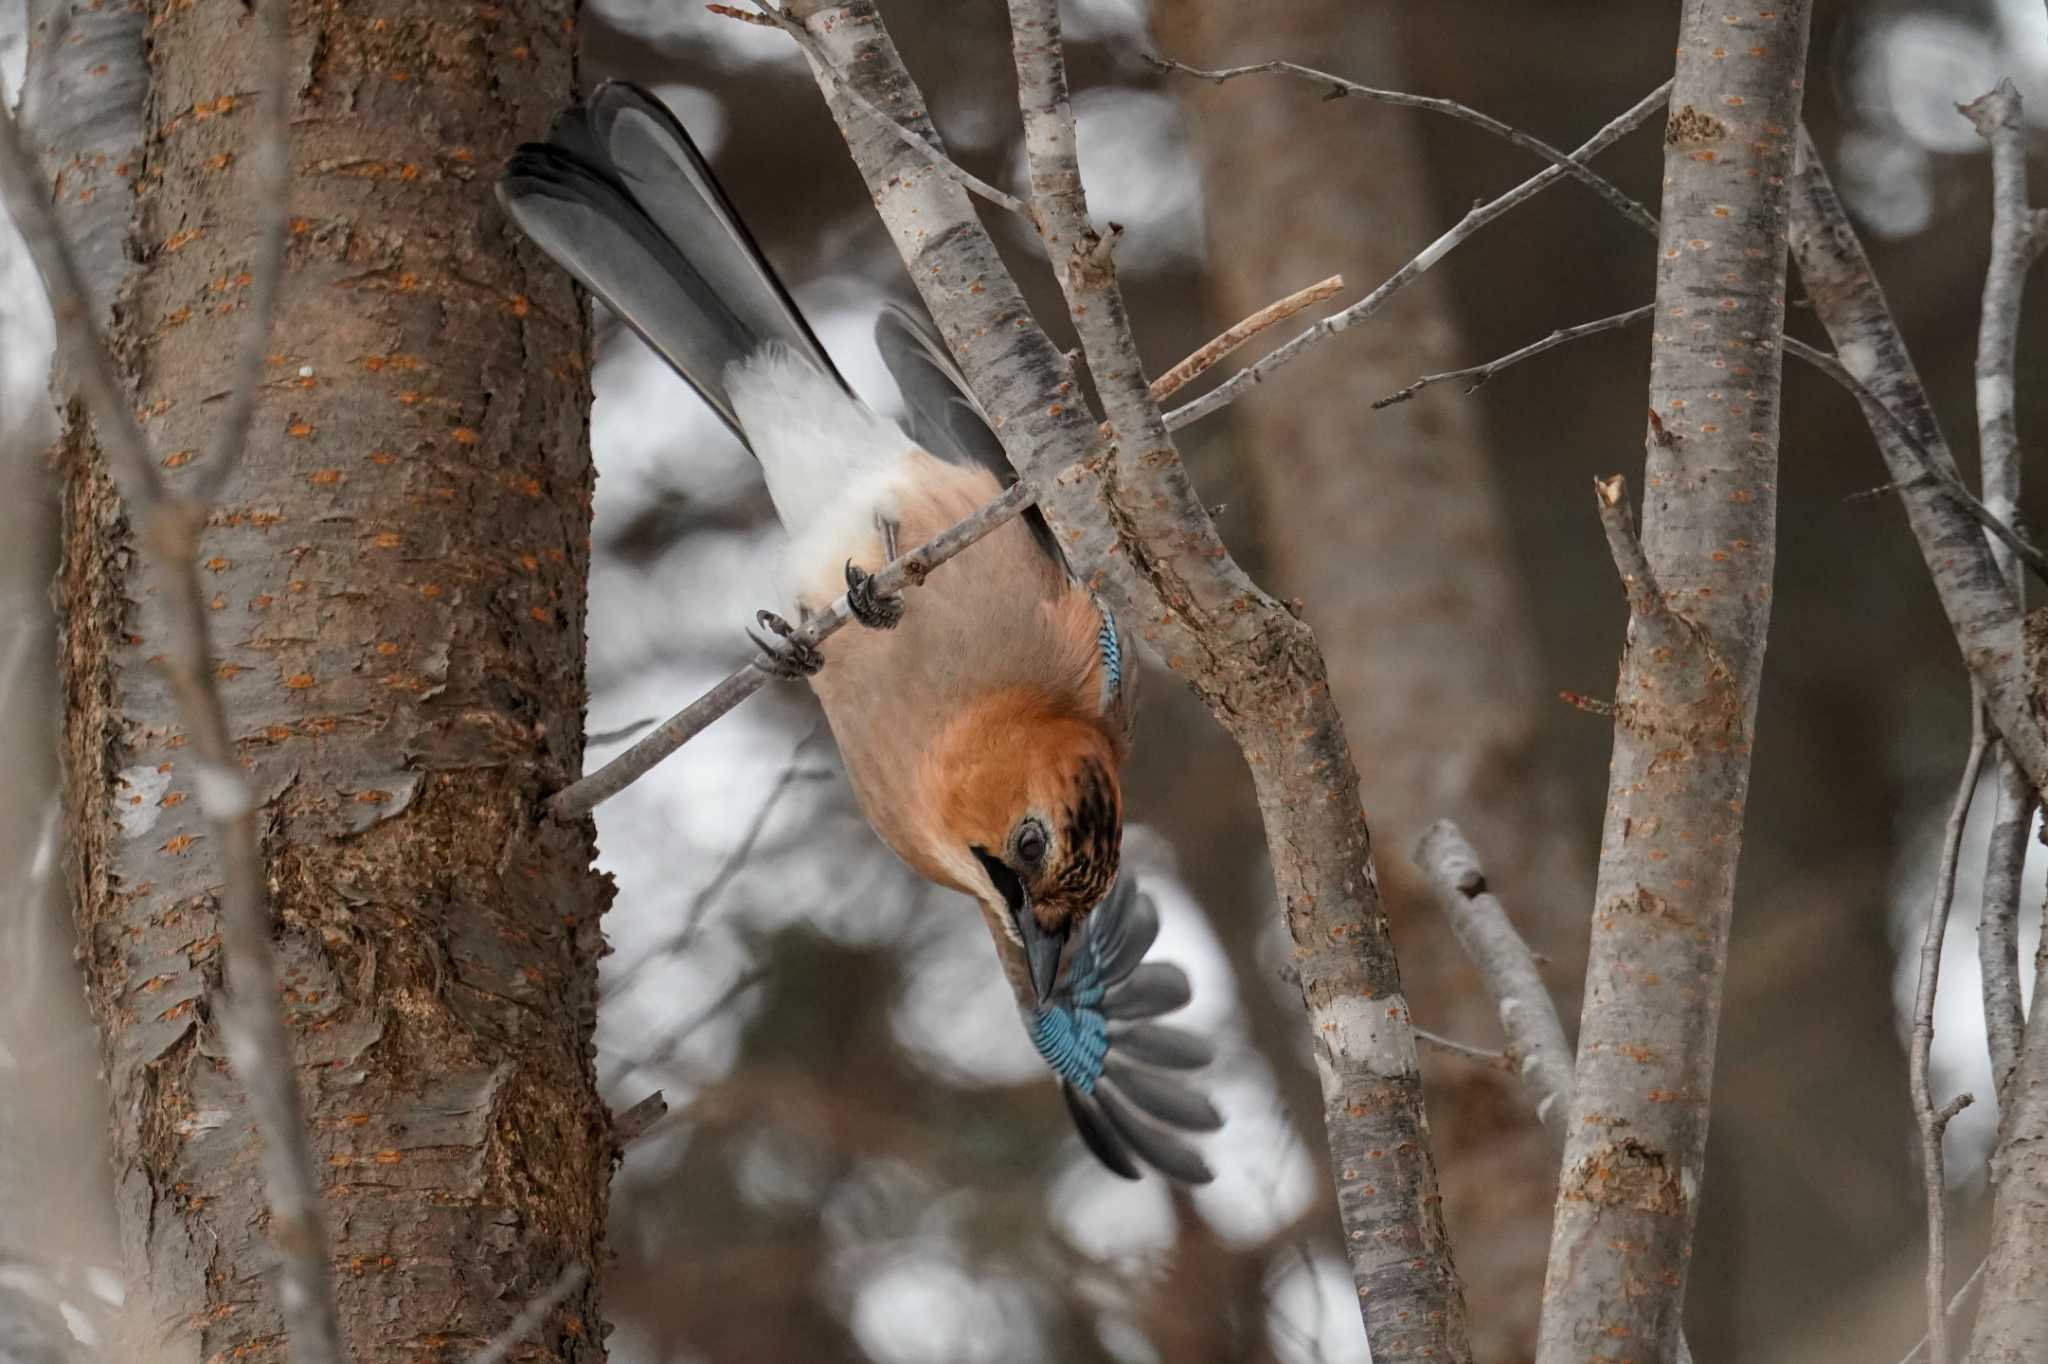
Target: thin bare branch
907 570
1241 382
691 921
1528 1014
935 155
1933 1121
1192 368
1955 1310
1934 470
629 1126
252 1021
1479 374
1499 1060
1645 599
1336 87
532 1315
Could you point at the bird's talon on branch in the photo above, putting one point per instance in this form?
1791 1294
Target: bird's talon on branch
786 656
875 609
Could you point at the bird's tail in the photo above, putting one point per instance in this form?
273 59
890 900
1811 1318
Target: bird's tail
622 199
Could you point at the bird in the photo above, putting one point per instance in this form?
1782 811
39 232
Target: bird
982 732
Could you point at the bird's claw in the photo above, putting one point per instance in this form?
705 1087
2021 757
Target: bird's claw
875 609
785 656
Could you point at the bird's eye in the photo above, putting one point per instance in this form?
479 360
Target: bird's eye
1031 843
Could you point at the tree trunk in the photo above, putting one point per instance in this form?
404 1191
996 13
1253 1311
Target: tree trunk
1699 592
398 573
1388 528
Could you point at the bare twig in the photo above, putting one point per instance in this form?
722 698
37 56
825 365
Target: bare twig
1188 370
1955 1310
1645 599
1336 87
1224 394
930 150
629 1126
1934 1121
253 1022
532 1315
691 920
1934 467
1479 374
1499 1060
1528 1015
907 570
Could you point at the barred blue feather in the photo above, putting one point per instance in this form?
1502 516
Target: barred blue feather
1112 652
1112 1066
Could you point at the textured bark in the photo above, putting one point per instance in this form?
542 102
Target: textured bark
1387 526
2012 1325
397 569
1685 699
1141 536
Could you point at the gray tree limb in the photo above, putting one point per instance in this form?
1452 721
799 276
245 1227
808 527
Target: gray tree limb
1131 524
2017 235
1685 700
1400 1257
1528 1015
2012 1324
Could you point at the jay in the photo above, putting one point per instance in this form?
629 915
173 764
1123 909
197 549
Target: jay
983 731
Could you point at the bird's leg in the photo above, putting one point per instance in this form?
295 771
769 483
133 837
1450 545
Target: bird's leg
786 656
875 610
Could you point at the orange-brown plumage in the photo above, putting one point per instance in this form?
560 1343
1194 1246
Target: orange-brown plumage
1018 753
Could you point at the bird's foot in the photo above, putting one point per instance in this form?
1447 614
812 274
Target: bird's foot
787 656
875 609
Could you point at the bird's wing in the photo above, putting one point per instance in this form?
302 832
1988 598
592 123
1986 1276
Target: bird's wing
941 412
621 198
1117 1069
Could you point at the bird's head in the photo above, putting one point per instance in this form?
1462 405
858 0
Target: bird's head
1029 807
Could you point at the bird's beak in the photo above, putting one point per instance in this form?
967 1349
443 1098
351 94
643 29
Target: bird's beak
1042 949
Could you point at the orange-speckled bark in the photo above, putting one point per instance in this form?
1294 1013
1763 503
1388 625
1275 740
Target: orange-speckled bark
397 572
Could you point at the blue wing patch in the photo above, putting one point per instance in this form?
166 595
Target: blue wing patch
1114 1067
1111 652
